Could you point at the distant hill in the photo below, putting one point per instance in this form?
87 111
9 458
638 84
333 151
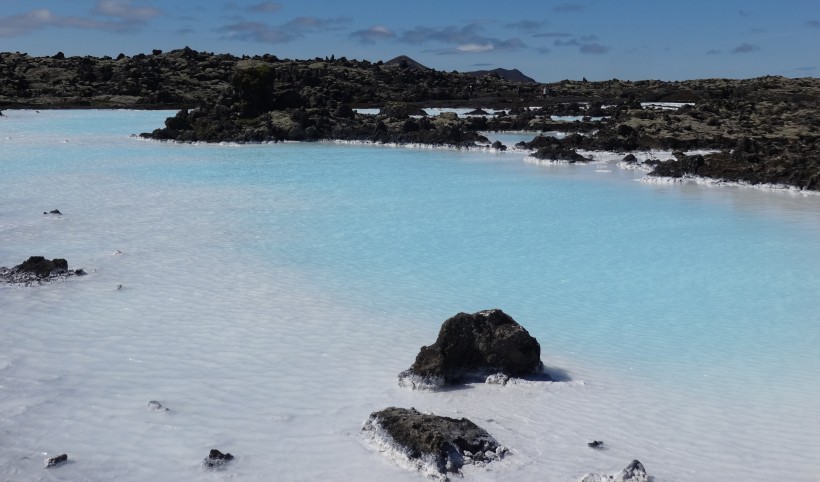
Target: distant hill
403 60
513 75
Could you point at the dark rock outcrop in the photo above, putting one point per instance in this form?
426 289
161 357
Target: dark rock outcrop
634 472
38 269
53 211
433 444
478 344
764 130
401 110
595 444
56 460
513 75
216 460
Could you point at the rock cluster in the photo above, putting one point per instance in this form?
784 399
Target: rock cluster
439 445
478 344
219 124
38 269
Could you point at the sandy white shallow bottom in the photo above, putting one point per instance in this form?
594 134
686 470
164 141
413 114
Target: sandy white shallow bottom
280 363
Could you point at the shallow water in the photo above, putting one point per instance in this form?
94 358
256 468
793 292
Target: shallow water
270 295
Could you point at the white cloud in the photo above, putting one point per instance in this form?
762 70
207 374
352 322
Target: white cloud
474 48
124 9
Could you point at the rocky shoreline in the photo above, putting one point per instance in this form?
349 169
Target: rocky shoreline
764 131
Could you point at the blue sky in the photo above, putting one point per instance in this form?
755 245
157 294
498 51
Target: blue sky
548 40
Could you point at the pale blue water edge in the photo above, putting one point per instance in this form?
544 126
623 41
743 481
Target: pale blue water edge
706 295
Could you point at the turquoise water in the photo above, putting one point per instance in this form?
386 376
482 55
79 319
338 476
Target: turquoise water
705 295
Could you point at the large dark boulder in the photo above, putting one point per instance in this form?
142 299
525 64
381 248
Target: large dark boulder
432 444
401 110
481 343
42 267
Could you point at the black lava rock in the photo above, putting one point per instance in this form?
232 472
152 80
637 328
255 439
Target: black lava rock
216 459
55 461
439 445
42 267
480 343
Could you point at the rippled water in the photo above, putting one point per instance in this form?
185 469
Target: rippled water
270 295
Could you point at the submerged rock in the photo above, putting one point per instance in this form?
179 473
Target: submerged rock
477 344
37 269
216 459
56 460
432 444
595 444
634 472
155 405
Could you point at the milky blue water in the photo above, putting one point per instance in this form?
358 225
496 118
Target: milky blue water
691 313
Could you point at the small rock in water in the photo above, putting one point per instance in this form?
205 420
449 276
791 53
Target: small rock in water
119 287
216 459
634 472
117 252
596 444
497 379
57 460
53 211
155 405
434 445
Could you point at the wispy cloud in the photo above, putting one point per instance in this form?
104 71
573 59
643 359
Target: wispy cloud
527 26
15 25
713 52
744 13
813 23
26 23
745 48
593 48
277 34
124 9
587 44
372 35
553 35
265 7
257 32
567 8
469 39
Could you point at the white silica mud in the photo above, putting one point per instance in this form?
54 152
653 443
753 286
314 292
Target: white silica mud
269 295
